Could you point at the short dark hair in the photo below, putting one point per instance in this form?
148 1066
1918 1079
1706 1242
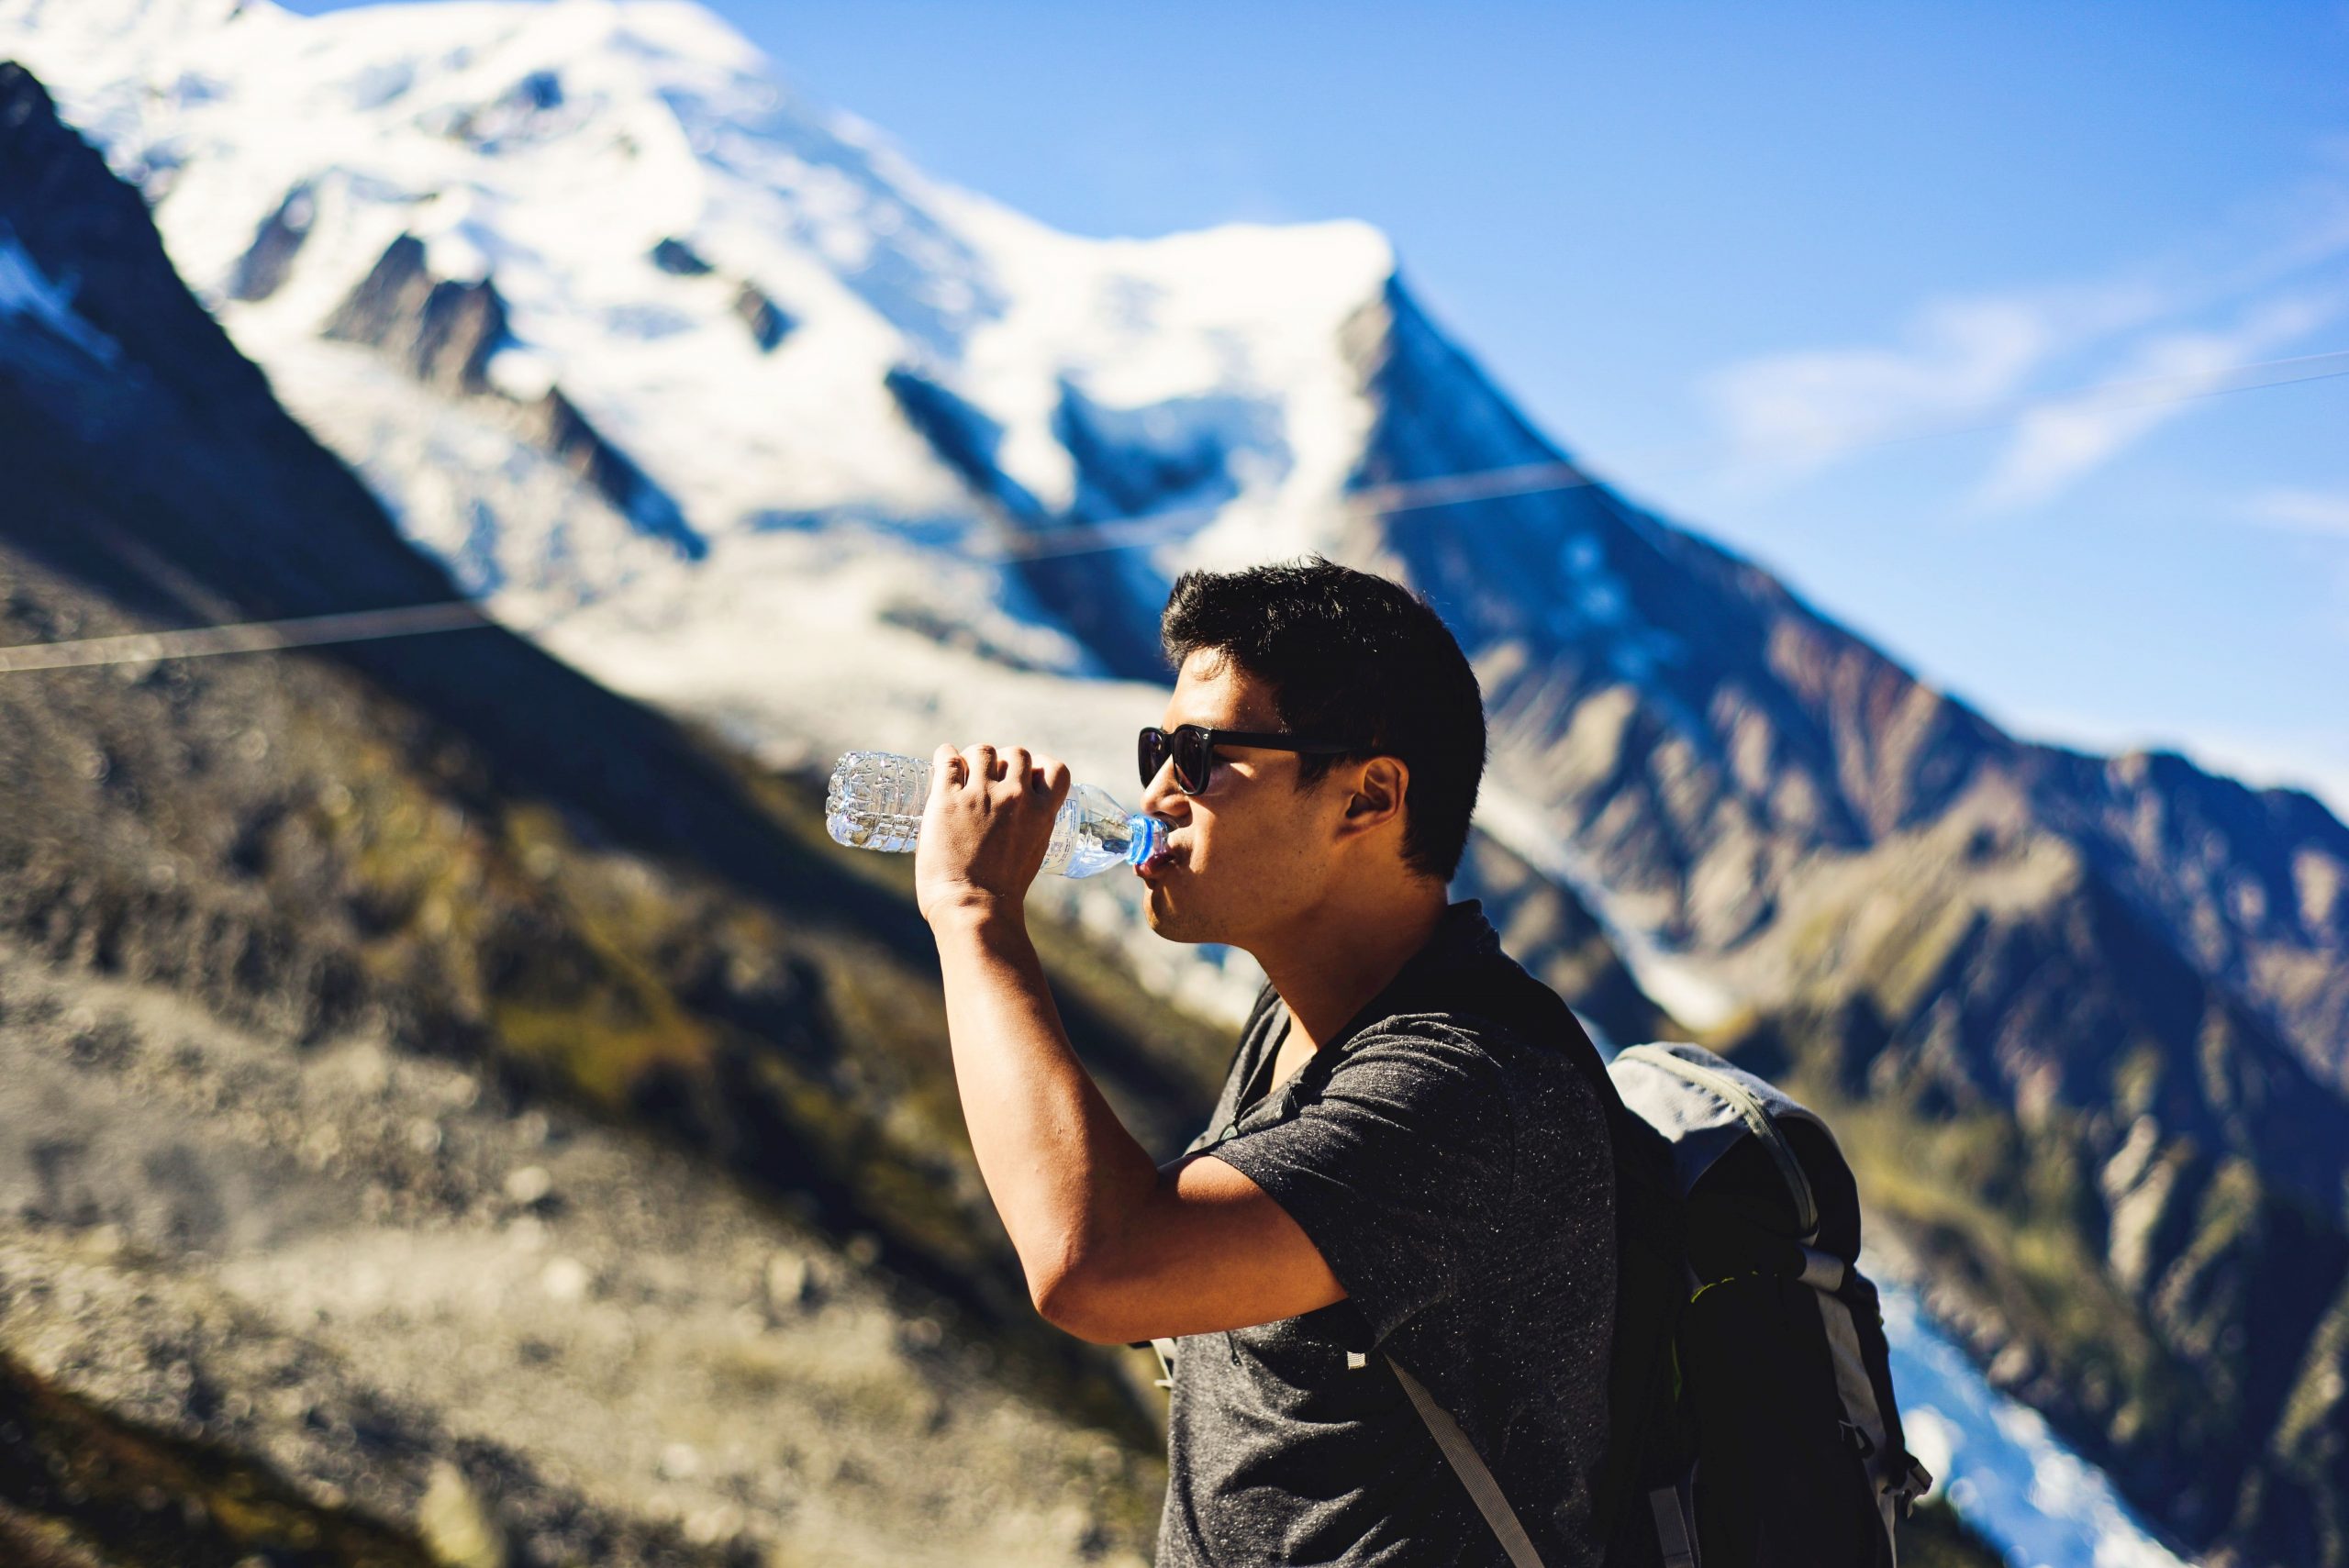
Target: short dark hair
1351 656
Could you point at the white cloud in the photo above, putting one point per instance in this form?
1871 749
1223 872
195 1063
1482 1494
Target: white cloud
2058 442
2140 338
1792 414
2300 511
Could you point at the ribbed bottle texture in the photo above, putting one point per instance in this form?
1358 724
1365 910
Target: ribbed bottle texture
875 802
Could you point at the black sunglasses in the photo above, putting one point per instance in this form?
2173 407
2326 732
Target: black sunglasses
1192 748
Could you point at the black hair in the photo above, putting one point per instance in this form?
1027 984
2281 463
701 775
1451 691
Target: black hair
1351 656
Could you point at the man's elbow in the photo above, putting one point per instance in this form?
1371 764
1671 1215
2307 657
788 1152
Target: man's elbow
1071 1299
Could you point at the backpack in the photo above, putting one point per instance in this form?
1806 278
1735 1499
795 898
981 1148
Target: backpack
1786 1381
1754 1408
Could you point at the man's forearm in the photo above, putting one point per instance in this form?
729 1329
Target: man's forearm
1063 1171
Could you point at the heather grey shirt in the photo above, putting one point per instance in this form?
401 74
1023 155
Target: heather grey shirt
1448 1154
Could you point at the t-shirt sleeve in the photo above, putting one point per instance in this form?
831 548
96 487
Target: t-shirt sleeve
1401 1170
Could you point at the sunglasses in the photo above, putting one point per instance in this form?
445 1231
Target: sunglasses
1192 746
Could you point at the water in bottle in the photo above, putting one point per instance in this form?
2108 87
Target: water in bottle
877 797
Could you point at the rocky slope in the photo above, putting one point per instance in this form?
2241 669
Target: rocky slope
412 1293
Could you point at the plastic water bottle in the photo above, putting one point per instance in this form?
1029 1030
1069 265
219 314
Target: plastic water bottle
877 797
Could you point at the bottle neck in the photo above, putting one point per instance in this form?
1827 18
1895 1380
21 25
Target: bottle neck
1144 836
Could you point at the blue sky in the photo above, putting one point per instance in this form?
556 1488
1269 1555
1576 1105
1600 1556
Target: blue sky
1826 283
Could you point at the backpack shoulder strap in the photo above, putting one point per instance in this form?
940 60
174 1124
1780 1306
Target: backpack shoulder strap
1482 1488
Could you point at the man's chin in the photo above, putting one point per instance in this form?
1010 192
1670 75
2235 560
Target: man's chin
1170 924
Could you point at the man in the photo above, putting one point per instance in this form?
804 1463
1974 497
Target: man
1411 1157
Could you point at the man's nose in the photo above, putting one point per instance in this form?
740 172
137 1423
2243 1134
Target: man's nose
1160 798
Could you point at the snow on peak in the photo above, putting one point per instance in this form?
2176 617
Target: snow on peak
724 276
140 22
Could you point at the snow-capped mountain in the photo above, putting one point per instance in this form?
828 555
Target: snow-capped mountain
779 321
489 251
721 399
741 411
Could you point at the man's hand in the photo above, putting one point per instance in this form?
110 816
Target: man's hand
984 827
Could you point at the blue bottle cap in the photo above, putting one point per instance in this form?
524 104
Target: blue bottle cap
1144 835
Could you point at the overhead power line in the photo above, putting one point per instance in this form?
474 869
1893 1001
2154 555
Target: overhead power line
1378 500
247 637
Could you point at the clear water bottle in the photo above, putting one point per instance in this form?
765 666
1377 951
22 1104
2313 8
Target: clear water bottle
877 797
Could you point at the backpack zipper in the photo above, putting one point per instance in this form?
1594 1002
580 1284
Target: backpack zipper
1757 1121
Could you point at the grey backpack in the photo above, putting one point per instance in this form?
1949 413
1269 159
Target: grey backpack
1786 1403
1770 1437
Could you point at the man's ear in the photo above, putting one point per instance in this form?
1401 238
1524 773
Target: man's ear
1377 793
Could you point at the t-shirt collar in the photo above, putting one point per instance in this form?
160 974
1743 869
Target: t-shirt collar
1460 934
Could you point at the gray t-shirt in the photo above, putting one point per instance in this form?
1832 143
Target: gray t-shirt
1448 1154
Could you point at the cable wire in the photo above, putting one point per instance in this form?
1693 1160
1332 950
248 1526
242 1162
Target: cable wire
247 637
1375 500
